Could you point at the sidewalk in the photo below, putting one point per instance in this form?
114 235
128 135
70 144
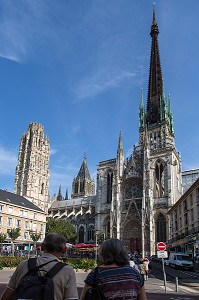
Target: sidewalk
152 285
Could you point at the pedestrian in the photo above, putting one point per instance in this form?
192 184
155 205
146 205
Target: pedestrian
115 278
146 263
54 247
142 269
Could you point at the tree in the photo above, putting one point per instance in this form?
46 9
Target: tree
35 237
61 226
2 239
13 234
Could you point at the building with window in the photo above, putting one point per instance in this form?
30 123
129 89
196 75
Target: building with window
184 222
18 212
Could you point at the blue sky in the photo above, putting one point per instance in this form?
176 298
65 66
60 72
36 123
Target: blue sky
78 66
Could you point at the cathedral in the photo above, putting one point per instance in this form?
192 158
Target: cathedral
132 195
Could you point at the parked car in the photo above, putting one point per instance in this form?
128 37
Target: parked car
180 260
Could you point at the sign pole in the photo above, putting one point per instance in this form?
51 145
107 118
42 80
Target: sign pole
165 282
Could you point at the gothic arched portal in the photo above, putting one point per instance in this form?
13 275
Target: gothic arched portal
132 236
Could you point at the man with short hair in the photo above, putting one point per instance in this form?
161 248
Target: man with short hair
54 247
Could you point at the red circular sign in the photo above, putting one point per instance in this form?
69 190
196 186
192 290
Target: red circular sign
161 246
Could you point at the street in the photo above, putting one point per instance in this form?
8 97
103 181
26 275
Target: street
155 289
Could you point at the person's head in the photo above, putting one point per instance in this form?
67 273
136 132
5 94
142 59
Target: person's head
113 251
54 243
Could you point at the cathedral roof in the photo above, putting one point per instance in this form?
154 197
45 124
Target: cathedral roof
73 202
84 172
13 199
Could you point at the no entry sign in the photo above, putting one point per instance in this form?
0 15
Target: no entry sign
161 246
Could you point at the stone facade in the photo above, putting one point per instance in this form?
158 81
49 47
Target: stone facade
32 171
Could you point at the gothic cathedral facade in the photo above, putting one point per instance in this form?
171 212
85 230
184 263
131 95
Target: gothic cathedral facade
134 195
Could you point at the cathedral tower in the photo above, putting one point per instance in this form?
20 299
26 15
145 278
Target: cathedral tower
162 184
32 171
83 185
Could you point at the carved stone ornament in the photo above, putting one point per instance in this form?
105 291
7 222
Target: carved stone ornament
133 190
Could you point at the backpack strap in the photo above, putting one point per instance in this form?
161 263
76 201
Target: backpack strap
32 265
95 277
55 269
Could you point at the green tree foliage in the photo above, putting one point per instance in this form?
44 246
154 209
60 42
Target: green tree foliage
2 239
13 234
63 227
35 237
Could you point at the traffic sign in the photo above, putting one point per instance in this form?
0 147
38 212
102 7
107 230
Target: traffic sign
161 246
162 254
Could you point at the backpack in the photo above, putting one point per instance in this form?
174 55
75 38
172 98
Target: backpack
36 287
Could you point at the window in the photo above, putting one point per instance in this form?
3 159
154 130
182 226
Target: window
192 214
185 219
18 223
185 204
25 214
1 218
180 222
34 227
25 235
176 225
161 228
35 216
1 207
41 227
191 199
197 194
26 225
9 222
175 212
10 210
180 209
21 213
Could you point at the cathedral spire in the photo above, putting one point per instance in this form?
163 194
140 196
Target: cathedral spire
59 196
155 78
120 146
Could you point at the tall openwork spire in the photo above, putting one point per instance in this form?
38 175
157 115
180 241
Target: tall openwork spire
155 78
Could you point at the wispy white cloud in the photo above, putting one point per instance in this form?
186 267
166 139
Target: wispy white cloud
8 161
102 81
53 151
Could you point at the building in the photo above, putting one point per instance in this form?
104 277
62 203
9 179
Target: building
32 171
133 195
18 212
81 208
184 222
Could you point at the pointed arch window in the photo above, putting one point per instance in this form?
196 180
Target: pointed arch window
91 233
161 228
109 186
159 180
42 188
81 234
